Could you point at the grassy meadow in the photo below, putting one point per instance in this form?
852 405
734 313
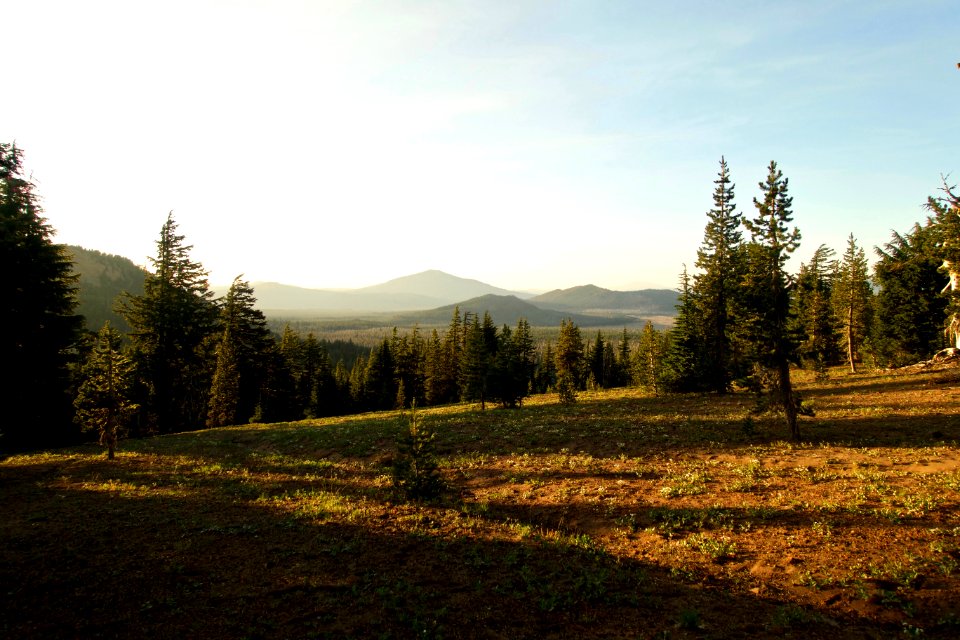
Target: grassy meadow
623 516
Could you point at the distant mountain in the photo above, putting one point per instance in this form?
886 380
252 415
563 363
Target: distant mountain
426 290
438 284
508 310
103 278
592 299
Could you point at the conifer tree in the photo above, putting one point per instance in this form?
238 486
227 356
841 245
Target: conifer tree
408 353
448 385
526 351
716 287
38 289
246 357
290 351
946 219
909 308
277 400
851 299
476 362
650 354
569 361
225 388
103 398
596 362
416 472
172 322
545 378
813 314
624 364
769 294
683 363
380 382
512 371
434 370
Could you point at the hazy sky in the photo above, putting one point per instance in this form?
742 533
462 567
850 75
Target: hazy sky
531 145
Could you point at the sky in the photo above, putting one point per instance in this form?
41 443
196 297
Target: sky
531 145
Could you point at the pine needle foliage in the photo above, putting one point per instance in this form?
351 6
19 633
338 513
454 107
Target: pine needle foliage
716 286
416 473
103 402
768 304
40 328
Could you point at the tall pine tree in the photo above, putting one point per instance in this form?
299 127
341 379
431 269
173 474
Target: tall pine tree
38 290
683 368
569 361
174 324
769 290
244 349
716 286
851 300
103 401
909 308
813 314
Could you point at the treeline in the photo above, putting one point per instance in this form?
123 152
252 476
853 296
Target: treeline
190 359
743 321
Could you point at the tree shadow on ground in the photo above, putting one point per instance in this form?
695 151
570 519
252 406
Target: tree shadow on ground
85 555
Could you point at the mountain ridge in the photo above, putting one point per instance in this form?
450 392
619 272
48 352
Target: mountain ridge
425 294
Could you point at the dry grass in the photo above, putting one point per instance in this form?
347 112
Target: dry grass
622 516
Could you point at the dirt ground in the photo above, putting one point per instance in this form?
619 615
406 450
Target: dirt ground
623 516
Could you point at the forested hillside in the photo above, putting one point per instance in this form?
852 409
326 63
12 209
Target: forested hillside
103 279
646 302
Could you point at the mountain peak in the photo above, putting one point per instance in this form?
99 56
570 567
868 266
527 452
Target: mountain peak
437 284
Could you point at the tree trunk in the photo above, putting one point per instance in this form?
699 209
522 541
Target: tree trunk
953 328
786 396
853 365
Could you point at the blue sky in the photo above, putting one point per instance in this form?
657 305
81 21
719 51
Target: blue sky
531 145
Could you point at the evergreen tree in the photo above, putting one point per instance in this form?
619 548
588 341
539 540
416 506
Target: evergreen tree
569 361
380 382
38 289
526 352
103 398
173 322
609 365
596 363
946 219
409 356
769 290
512 371
545 377
716 287
319 385
247 354
416 472
434 392
649 367
851 300
476 362
909 308
624 364
814 319
683 363
290 351
447 384
225 388
358 384
277 402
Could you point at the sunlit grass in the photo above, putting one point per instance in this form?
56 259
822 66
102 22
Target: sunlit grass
559 509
